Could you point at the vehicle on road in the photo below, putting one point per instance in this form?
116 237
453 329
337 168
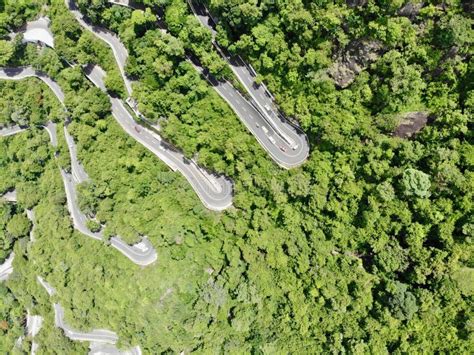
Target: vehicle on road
267 107
294 147
271 139
137 129
282 148
265 129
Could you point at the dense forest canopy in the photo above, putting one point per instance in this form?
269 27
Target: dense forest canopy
366 248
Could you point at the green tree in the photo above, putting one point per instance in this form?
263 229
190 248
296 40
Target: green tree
6 52
416 183
18 226
402 302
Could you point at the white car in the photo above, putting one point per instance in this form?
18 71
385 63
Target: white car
267 107
295 147
265 129
271 139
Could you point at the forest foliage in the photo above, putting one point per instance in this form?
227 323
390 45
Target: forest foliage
366 248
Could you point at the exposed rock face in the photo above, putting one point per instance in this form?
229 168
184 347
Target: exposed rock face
468 6
355 3
410 124
353 59
410 10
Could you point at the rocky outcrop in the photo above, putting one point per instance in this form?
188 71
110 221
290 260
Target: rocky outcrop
355 3
353 59
468 6
410 10
411 123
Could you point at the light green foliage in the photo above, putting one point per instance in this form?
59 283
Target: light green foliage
366 248
11 319
18 226
6 52
416 183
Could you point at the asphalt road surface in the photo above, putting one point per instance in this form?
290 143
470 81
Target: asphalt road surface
293 144
7 268
28 72
142 253
10 131
214 191
127 3
96 335
9 196
79 220
137 255
51 129
77 170
33 326
258 125
119 50
49 289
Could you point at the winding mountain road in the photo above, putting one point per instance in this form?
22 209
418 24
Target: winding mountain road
215 192
257 124
142 253
293 144
119 50
286 144
77 170
97 337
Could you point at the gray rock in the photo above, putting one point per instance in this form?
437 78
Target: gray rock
411 123
468 6
410 10
353 59
355 3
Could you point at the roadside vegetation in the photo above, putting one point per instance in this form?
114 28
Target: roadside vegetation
366 248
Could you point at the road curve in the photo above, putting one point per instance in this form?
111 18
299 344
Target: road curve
77 170
96 335
138 255
21 73
79 220
141 253
119 50
257 124
7 268
51 129
215 192
270 138
294 143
